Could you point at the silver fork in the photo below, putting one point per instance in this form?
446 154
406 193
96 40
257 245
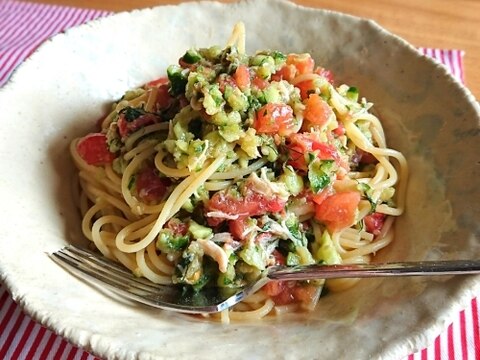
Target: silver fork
93 266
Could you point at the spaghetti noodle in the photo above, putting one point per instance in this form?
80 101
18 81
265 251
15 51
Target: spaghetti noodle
233 163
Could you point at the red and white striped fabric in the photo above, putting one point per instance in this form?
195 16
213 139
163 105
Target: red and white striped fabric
452 59
24 26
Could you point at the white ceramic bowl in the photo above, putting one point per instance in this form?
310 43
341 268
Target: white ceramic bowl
68 83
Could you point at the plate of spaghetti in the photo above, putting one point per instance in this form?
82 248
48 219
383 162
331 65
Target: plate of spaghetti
198 156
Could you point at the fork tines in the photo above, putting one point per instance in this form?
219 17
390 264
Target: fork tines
87 263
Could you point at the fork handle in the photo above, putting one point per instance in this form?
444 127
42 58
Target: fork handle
421 268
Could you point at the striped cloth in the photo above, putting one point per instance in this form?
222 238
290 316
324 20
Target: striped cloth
23 27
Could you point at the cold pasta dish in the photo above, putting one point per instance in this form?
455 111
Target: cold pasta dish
232 163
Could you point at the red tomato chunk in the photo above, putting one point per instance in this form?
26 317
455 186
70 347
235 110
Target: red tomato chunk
317 111
275 119
126 128
242 77
374 222
93 148
151 187
302 62
288 292
338 210
301 144
253 204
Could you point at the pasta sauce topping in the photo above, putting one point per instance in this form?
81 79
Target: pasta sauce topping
232 163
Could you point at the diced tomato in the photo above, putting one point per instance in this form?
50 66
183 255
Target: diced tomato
304 293
259 83
279 258
317 111
273 288
296 157
150 187
265 204
157 82
320 197
287 73
326 151
164 99
93 148
307 87
229 205
338 210
340 130
366 157
327 74
242 77
125 127
281 292
309 142
253 204
301 144
374 222
289 292
302 62
275 119
224 80
237 228
179 228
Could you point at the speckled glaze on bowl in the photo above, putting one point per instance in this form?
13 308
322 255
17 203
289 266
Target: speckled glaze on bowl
68 83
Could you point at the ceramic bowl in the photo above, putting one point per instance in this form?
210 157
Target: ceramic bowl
59 92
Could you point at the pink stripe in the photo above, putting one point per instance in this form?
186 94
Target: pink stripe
19 21
476 329
463 336
20 316
31 339
28 46
85 16
76 18
23 340
23 46
437 345
454 59
61 349
5 322
48 347
26 31
458 61
10 24
53 24
5 6
451 59
451 345
16 339
36 343
82 16
424 354
71 354
444 59
11 8
436 54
